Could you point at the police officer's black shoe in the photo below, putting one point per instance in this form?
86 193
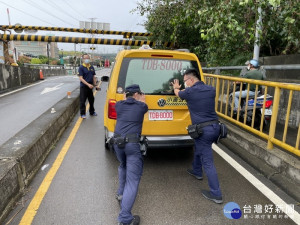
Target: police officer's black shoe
135 221
191 172
211 197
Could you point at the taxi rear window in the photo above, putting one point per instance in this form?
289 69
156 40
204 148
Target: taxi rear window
153 75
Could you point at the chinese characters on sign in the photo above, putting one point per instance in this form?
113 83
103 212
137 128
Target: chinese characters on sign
268 211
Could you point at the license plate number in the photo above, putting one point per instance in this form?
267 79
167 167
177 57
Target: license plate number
160 114
268 112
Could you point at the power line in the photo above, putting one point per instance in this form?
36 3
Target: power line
43 10
77 12
54 5
27 13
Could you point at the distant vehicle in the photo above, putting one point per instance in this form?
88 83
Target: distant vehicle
30 55
168 116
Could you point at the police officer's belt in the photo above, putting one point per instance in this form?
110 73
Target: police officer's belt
195 130
129 138
207 123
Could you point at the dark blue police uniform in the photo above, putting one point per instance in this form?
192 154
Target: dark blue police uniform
130 117
88 74
200 100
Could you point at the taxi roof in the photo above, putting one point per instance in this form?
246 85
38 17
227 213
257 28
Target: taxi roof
157 53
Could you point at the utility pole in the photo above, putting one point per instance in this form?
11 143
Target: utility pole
75 59
48 48
257 35
92 35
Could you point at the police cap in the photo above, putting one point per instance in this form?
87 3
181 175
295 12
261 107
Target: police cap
133 88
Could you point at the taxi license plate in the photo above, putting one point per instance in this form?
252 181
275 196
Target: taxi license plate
268 112
160 114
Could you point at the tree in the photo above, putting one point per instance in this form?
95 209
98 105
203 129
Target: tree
222 31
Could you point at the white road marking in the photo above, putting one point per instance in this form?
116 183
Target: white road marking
44 166
47 90
288 210
20 89
40 82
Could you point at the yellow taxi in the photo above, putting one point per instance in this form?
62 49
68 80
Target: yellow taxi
166 121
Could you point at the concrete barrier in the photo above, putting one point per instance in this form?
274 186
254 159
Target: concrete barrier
22 155
279 166
12 77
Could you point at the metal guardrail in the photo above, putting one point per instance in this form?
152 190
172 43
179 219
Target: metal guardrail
46 66
43 66
266 67
224 84
243 70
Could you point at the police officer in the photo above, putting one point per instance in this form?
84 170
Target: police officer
200 100
88 81
130 117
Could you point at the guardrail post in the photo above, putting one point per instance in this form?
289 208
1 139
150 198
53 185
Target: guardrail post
274 117
217 94
217 71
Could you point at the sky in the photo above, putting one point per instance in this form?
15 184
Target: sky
68 13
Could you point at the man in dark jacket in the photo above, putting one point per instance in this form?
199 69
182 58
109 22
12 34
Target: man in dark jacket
130 117
87 82
200 99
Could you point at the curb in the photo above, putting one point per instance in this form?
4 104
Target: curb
280 167
22 155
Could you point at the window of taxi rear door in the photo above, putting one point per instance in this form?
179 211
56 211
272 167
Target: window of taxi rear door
153 75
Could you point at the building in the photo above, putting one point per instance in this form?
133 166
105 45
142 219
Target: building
36 48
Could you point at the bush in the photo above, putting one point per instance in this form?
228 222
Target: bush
36 61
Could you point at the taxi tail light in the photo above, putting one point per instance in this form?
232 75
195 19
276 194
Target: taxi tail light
112 114
268 103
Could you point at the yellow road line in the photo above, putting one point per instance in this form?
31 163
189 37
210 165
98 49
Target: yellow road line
41 192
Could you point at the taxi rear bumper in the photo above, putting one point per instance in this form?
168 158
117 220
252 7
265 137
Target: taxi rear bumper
170 141
165 141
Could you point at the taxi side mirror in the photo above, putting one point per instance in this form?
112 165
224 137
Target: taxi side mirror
104 78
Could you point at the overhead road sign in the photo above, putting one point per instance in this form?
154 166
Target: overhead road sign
64 29
82 40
